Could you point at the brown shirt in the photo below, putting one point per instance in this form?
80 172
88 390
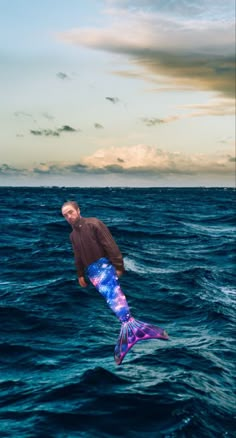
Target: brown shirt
92 240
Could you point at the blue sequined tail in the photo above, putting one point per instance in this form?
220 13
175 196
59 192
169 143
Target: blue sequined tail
103 276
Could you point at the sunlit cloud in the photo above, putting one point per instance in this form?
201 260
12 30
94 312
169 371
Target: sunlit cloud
135 161
148 159
193 49
215 107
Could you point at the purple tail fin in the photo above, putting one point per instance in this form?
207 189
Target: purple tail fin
133 331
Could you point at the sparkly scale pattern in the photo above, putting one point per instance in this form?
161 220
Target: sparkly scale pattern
103 276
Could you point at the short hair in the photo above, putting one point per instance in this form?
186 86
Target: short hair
73 203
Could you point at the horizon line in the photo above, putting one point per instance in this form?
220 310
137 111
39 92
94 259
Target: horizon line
117 187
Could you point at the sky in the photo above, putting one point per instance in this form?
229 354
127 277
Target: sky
117 93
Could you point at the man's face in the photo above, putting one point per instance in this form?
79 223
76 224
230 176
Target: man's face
71 214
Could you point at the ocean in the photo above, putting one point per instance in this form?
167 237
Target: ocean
58 378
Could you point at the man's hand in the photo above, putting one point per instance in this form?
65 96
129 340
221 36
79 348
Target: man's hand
82 282
119 273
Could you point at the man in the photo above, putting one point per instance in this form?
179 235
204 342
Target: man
98 257
91 240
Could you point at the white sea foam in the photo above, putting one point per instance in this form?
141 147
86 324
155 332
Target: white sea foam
229 294
134 266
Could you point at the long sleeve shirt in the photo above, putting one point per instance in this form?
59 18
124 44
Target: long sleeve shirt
91 240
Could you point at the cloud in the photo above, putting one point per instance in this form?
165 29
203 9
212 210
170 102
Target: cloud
59 168
75 168
188 43
52 133
98 126
22 114
114 168
135 161
62 75
152 121
113 99
215 107
5 169
226 140
67 128
45 168
140 160
54 168
147 159
45 132
189 8
47 116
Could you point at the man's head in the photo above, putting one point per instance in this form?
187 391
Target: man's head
71 211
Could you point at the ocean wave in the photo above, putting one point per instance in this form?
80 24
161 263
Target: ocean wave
58 376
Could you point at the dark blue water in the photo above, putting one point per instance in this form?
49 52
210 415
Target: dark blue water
57 373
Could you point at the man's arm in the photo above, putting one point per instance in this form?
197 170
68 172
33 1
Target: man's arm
78 264
111 248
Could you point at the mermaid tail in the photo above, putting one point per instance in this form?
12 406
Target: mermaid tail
133 331
103 276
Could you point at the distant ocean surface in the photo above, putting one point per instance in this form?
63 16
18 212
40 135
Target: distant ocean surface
58 378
